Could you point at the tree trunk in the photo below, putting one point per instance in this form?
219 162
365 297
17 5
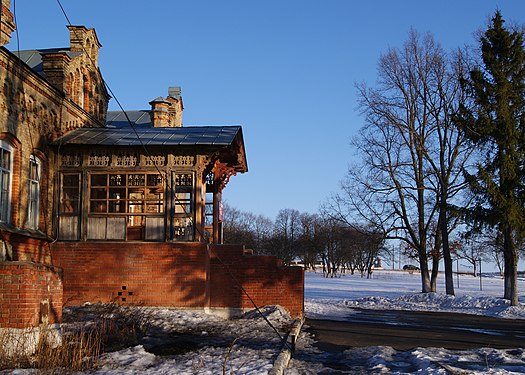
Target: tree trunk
447 258
435 270
425 278
510 254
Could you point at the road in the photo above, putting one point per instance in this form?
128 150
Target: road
404 330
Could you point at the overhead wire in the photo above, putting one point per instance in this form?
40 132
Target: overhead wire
210 248
133 127
33 157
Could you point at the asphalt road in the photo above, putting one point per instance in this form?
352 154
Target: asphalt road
404 330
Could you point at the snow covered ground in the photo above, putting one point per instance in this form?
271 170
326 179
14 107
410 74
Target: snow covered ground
332 298
191 342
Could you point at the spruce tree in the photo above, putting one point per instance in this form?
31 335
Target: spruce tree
495 123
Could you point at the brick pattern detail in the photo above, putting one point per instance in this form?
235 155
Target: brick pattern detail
190 275
30 294
156 274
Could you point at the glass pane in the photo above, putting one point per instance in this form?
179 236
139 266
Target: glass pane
184 180
33 191
71 179
69 206
117 179
97 206
6 159
154 179
182 203
98 193
136 180
99 180
33 171
154 207
5 181
118 206
117 193
135 221
135 206
136 193
70 193
155 194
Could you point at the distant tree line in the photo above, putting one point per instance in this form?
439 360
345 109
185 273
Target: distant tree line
312 240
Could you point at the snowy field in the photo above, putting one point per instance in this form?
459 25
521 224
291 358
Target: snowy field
400 290
191 342
333 298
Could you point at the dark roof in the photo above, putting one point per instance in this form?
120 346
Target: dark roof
118 132
33 58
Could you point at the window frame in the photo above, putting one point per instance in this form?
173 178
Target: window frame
118 194
34 191
6 186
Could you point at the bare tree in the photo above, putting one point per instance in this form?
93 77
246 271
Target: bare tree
246 228
393 192
411 153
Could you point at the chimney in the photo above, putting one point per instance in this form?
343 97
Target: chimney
82 39
160 116
176 107
7 25
174 92
54 66
167 113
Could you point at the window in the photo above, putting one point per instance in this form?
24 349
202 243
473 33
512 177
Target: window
70 198
126 193
6 152
183 207
34 192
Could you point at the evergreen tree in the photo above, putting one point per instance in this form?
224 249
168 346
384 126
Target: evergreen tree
495 123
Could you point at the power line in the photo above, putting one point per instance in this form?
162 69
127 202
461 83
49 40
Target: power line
235 279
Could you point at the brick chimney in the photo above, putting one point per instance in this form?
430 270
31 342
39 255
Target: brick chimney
176 107
160 116
167 113
7 26
82 39
55 66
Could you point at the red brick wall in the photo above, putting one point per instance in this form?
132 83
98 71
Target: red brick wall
153 274
175 275
27 249
30 294
263 278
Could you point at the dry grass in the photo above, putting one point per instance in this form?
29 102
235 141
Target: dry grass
32 349
96 330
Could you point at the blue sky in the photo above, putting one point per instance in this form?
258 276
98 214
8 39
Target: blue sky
284 70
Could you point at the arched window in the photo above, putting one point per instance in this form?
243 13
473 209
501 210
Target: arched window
35 167
6 171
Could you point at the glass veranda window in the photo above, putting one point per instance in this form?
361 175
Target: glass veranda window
126 193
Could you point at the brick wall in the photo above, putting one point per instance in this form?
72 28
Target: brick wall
175 275
263 278
27 249
153 274
30 294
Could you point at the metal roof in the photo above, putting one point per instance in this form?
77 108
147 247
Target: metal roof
118 132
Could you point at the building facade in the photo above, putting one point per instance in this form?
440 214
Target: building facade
99 206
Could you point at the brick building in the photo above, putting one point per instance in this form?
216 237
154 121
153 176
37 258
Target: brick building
114 207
